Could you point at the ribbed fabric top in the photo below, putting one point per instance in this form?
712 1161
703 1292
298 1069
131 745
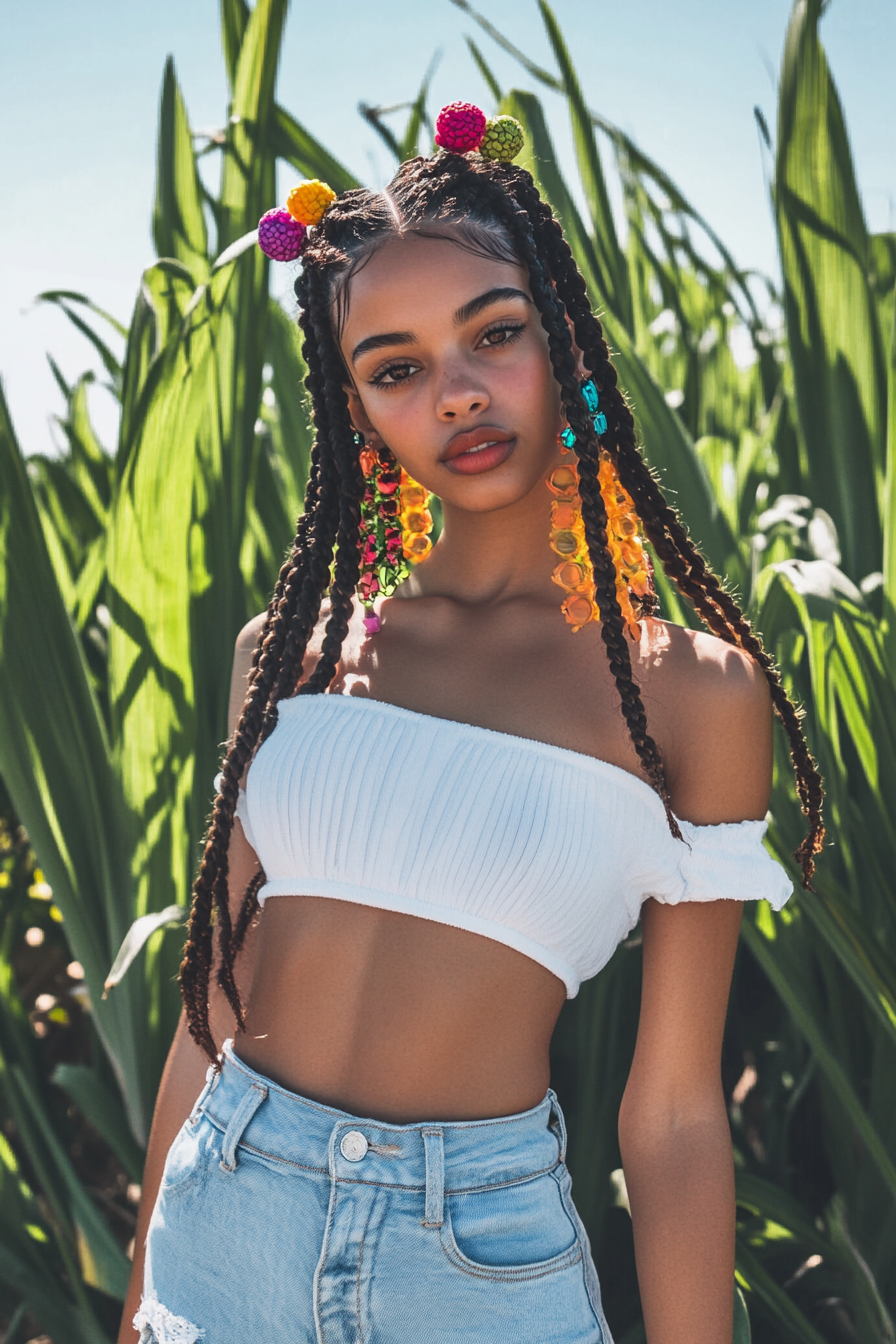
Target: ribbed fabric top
547 850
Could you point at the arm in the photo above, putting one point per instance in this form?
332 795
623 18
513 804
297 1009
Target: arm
184 1074
673 1125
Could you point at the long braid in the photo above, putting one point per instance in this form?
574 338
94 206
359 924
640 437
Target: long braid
301 589
347 567
681 559
294 608
211 892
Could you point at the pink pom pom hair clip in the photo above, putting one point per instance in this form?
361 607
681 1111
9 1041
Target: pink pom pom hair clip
461 128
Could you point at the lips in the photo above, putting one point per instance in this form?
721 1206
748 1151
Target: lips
478 450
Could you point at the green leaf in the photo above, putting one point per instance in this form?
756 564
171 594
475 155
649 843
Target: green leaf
112 1266
290 141
832 325
889 512
781 977
542 75
418 119
612 278
178 219
55 760
485 70
741 1333
100 1105
64 298
247 180
293 433
234 18
137 937
775 1299
51 1307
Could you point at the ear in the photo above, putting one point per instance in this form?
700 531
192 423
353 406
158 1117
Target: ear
360 419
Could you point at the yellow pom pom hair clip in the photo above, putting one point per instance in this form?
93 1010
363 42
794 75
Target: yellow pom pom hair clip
282 233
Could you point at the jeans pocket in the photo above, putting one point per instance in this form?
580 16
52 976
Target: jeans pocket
511 1232
188 1157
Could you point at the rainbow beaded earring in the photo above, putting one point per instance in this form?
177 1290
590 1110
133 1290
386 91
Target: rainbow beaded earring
395 527
575 574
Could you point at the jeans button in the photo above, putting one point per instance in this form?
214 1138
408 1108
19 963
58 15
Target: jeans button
353 1146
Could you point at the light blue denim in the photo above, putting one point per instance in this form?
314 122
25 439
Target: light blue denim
284 1221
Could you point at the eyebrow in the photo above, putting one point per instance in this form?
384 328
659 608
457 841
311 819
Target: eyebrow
501 294
466 313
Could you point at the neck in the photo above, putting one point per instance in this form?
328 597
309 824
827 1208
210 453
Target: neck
481 558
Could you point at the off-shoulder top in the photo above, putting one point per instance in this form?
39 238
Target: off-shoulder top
547 850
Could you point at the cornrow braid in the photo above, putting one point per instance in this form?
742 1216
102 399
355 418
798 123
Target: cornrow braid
494 208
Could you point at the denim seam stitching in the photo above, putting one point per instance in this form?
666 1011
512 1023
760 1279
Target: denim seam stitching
358 1288
573 1214
460 1190
385 1185
271 1157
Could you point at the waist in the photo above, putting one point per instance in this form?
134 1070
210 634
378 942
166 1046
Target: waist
259 1115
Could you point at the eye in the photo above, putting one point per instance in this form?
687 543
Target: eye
502 334
393 374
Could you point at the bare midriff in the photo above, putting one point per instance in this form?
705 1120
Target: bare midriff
397 1018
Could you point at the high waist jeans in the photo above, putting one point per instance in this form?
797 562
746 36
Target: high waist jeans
282 1221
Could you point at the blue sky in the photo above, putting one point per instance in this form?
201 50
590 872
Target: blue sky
79 85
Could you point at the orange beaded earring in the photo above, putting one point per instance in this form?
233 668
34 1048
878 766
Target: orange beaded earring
575 574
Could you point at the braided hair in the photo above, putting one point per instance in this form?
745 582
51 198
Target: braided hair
493 208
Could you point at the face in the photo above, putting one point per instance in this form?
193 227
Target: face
451 370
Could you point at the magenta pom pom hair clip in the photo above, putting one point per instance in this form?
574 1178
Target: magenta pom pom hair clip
461 128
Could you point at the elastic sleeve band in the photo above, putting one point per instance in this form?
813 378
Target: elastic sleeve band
729 861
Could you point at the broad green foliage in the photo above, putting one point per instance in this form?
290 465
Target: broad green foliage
125 577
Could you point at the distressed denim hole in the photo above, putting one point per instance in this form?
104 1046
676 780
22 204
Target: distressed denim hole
158 1325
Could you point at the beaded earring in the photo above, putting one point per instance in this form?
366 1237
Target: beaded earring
575 574
395 527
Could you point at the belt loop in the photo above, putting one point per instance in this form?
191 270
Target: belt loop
251 1099
435 1177
558 1124
211 1082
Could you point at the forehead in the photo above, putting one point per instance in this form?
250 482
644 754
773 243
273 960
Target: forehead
411 281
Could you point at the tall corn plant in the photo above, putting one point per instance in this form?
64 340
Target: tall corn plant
124 580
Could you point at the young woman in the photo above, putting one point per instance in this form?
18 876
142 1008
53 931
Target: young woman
449 823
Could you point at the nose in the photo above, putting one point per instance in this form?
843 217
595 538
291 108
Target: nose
460 394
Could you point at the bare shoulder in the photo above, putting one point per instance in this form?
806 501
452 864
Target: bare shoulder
714 723
247 642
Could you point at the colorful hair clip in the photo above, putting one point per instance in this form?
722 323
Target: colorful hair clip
282 234
463 127
591 398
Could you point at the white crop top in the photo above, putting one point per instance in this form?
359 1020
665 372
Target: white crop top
544 849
